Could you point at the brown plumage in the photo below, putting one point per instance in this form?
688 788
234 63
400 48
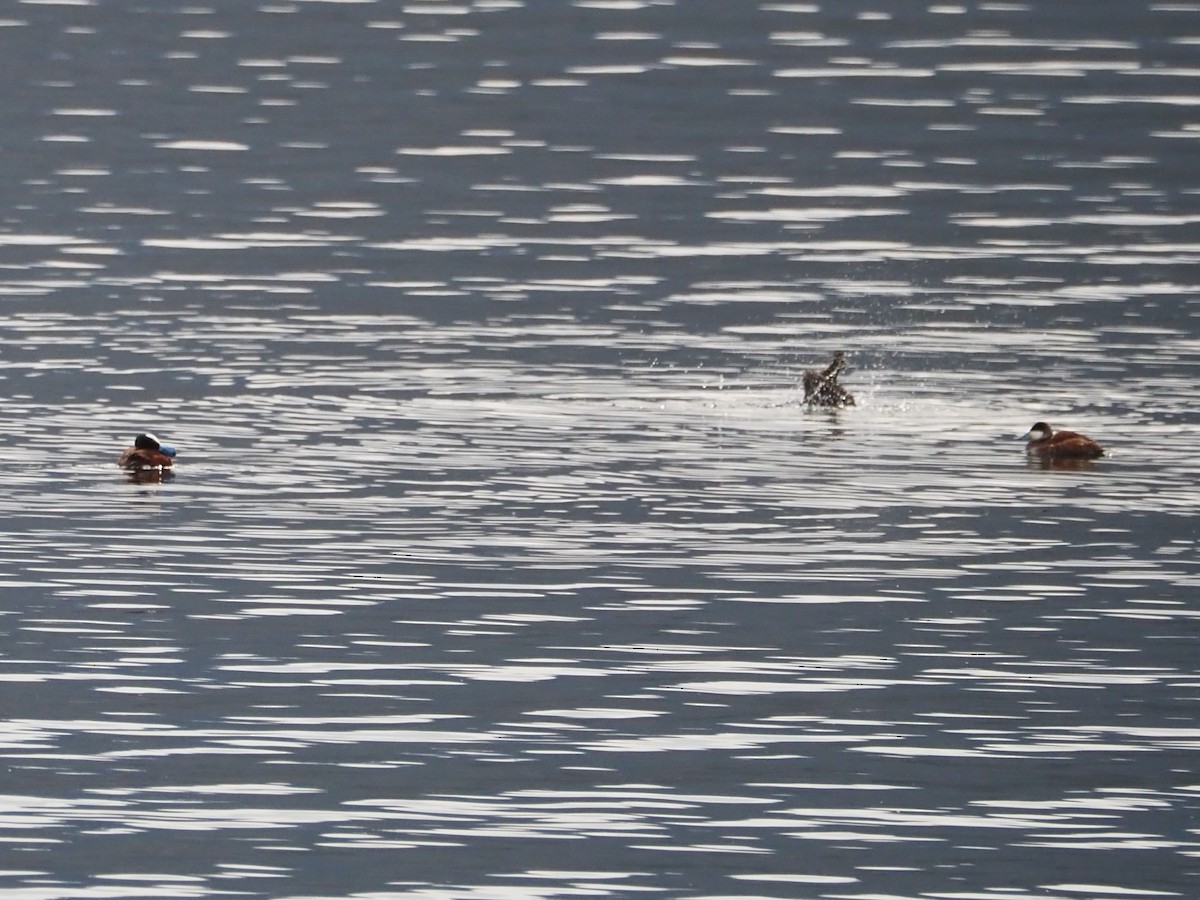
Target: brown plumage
822 388
146 453
1045 441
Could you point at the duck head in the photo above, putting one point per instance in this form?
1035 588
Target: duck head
150 442
1039 432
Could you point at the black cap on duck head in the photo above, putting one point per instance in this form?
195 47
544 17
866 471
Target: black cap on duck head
148 441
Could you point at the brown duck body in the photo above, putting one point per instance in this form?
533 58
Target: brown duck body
1045 441
137 458
822 388
146 453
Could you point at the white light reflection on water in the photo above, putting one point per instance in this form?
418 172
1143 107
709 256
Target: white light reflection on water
501 558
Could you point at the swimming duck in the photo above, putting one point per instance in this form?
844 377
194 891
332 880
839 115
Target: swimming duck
822 388
147 452
1045 441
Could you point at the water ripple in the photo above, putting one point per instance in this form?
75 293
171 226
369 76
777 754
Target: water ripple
499 527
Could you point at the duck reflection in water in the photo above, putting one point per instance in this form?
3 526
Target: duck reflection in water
148 459
822 388
1060 449
1060 463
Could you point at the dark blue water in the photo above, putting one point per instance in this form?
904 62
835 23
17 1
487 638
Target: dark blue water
501 558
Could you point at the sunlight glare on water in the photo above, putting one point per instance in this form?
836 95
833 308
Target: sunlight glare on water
501 556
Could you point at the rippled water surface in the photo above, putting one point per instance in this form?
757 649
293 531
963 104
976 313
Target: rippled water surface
502 558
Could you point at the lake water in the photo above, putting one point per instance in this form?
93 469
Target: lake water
501 558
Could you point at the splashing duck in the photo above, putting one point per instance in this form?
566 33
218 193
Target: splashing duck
822 388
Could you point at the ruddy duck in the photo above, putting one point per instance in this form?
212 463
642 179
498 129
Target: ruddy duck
1044 441
822 388
147 452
